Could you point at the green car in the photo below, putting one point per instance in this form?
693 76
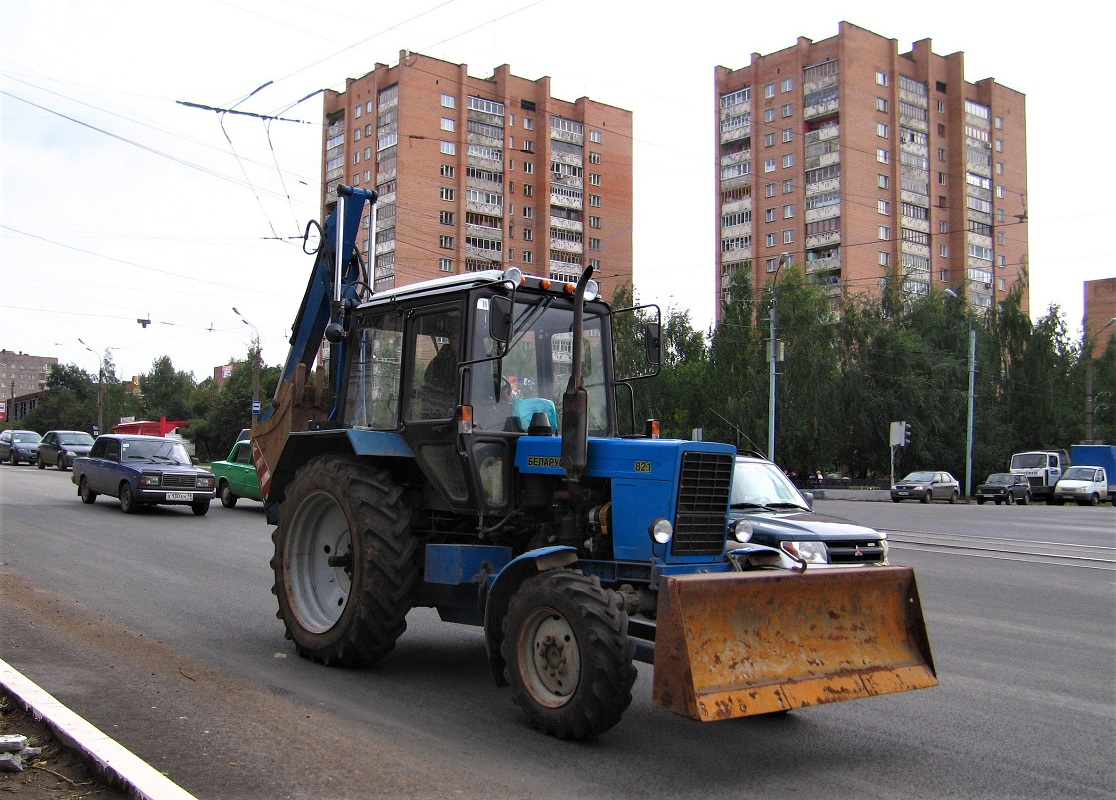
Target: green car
236 475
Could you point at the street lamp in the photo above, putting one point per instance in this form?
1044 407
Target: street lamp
255 367
773 355
100 386
972 387
1086 351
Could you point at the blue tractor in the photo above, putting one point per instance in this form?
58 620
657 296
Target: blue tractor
471 449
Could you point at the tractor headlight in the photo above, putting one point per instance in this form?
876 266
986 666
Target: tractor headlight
742 531
810 552
592 290
661 530
512 278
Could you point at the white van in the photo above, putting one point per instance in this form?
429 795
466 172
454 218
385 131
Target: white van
1086 486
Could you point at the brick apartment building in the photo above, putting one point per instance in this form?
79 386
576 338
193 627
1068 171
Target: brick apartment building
476 174
857 160
1100 307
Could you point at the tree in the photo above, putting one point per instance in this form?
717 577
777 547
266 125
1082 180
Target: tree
166 392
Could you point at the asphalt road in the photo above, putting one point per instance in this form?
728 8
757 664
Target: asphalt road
160 629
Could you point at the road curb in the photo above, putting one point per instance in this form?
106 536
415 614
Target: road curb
143 780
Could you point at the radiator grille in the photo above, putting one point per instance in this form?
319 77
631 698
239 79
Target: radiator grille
703 495
174 480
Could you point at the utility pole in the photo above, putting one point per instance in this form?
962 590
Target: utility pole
100 388
774 354
255 367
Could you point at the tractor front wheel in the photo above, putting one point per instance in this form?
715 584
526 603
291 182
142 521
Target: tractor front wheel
568 655
345 567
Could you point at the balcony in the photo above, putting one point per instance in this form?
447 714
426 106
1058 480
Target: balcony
826 109
491 209
563 224
824 160
562 246
819 187
916 249
827 239
825 212
743 229
563 200
732 183
823 134
828 264
914 224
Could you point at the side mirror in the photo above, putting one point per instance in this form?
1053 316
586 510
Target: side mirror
652 340
500 318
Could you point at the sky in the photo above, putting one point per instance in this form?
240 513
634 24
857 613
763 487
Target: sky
120 203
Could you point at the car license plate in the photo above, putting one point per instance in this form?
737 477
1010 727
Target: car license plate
179 496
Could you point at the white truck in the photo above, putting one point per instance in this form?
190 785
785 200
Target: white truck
1084 485
1043 468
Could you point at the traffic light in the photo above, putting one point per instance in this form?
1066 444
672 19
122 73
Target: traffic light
906 433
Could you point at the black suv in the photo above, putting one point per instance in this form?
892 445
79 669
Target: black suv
767 509
1004 487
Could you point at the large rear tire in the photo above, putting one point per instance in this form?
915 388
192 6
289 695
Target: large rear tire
568 655
345 567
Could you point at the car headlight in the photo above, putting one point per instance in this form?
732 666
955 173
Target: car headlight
149 480
742 531
810 552
661 530
70 453
205 482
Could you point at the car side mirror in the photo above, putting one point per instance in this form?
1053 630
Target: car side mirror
809 498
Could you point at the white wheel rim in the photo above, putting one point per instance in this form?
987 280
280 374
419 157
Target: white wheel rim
318 592
550 660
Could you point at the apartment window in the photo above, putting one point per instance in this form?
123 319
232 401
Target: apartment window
595 137
788 211
999 237
356 157
943 226
788 186
769 165
941 106
769 90
769 215
769 188
356 134
594 243
788 109
770 239
1001 261
594 222
788 160
941 154
942 201
881 104
528 123
528 190
448 101
882 181
446 192
1000 284
883 207
787 85
999 215
769 140
528 212
358 110
528 146
448 124
445 242
999 145
529 167
881 78
943 250
594 179
528 257
595 200
943 275
941 86
881 130
1000 192
941 129
884 233
999 123
445 217
447 170
788 236
528 234
445 264
772 264
999 167
881 155
885 258
594 158
449 148
769 115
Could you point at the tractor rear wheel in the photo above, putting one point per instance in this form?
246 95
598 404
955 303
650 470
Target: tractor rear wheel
568 655
345 567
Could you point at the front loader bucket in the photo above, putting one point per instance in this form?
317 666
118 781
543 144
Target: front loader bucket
742 643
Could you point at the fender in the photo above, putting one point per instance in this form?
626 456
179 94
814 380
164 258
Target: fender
500 588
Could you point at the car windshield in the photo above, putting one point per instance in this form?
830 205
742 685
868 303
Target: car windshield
1028 461
168 452
919 477
75 438
1079 474
27 437
1001 478
761 483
